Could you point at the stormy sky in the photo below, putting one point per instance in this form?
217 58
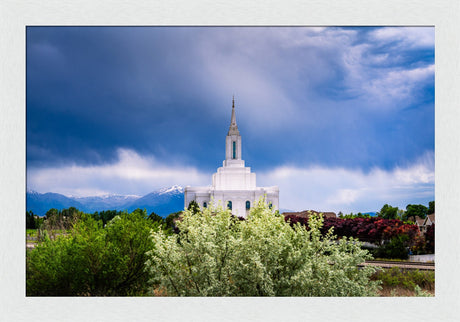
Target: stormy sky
341 119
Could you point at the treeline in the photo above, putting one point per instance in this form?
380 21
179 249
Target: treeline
389 212
65 218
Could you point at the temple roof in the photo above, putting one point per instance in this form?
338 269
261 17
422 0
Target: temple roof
233 130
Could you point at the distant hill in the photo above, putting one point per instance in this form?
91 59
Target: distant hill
98 203
40 203
162 202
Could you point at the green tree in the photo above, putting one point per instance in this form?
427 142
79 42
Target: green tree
53 219
416 210
31 223
397 247
154 217
215 254
65 265
194 207
431 207
171 219
128 241
71 212
106 215
92 259
388 212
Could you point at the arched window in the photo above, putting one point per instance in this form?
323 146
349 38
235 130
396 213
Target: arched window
229 205
248 205
205 204
234 150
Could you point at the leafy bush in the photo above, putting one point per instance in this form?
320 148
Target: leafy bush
425 244
374 229
408 279
216 254
396 248
92 260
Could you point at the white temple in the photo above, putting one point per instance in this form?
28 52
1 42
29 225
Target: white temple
233 186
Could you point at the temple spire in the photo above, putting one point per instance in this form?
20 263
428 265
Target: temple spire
233 126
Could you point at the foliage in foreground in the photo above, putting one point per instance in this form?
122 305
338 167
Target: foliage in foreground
411 280
215 254
92 259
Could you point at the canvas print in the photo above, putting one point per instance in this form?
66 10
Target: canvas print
230 161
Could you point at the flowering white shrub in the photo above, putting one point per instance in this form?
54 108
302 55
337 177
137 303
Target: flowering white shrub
216 254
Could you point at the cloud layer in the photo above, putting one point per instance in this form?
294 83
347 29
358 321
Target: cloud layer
130 174
339 189
319 188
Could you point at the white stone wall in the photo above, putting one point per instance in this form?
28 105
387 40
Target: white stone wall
237 197
234 178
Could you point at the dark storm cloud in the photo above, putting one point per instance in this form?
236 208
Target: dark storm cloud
92 90
339 118
350 97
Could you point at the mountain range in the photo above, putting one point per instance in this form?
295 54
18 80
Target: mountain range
162 202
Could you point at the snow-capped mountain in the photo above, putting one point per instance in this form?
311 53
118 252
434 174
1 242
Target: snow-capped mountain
97 203
171 190
162 202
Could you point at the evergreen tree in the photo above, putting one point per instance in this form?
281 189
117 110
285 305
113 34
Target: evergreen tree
31 223
431 207
154 217
194 207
